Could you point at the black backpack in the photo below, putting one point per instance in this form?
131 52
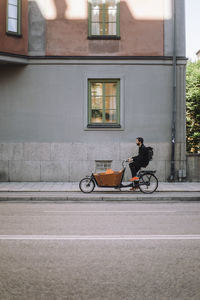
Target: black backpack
150 153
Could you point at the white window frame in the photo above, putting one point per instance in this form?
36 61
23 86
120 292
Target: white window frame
17 19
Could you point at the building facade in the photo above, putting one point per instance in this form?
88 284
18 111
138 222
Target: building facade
81 80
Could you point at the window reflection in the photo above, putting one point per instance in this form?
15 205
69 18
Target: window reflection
111 116
97 116
96 89
111 103
97 102
110 89
12 25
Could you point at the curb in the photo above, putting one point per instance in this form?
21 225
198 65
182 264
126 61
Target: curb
64 197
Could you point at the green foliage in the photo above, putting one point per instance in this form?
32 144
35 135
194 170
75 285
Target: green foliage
193 106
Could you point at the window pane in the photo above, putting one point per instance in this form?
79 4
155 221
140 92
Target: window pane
96 89
98 6
12 11
110 29
111 103
14 2
97 15
97 116
111 116
111 3
96 2
106 3
111 89
110 6
97 28
111 15
12 25
97 103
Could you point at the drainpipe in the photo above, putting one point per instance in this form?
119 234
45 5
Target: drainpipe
173 133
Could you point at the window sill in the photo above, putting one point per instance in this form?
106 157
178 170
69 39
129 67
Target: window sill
104 37
94 126
14 34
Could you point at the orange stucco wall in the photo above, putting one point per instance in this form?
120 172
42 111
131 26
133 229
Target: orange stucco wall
9 43
141 29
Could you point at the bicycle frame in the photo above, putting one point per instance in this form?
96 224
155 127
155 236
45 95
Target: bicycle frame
115 180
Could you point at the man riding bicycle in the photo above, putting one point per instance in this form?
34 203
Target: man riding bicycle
139 161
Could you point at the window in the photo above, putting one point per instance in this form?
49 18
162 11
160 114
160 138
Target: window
14 17
104 103
103 18
102 165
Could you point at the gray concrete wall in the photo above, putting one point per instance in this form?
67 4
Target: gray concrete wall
43 108
46 103
37 30
193 167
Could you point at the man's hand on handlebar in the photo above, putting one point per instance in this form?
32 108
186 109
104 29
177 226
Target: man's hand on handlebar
130 160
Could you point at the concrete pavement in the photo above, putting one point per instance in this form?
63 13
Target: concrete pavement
95 251
69 191
74 187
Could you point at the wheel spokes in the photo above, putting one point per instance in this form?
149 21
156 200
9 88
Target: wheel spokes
86 185
148 183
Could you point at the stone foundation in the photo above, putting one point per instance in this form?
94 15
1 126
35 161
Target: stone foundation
193 167
71 161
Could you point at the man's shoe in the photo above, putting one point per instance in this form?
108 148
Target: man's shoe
135 178
134 188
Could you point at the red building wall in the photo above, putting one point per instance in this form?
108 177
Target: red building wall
140 35
10 43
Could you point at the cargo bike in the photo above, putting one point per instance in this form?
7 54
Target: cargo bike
146 180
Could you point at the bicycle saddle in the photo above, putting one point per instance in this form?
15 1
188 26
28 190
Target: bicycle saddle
147 172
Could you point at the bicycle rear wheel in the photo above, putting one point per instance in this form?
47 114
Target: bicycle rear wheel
148 183
87 185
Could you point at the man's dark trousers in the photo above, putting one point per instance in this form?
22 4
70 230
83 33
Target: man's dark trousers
135 167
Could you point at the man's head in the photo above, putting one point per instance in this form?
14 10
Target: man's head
139 141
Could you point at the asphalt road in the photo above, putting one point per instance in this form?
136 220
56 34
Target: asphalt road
99 251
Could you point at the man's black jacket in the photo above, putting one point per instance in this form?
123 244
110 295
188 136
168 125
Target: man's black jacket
143 158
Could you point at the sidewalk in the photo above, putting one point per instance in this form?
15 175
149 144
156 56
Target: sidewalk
74 187
69 191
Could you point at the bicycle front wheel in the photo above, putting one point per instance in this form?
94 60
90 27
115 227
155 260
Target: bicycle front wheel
87 185
148 183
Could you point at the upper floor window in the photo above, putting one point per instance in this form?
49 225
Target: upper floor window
14 17
103 18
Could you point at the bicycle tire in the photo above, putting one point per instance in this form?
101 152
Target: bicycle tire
148 183
87 185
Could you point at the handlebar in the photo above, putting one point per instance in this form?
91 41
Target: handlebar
124 161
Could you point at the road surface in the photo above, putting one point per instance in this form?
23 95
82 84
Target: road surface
100 251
